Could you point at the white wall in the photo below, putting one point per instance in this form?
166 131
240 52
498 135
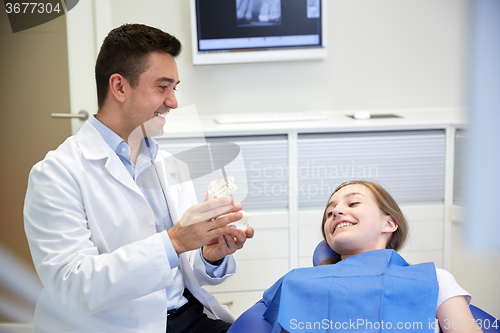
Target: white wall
381 54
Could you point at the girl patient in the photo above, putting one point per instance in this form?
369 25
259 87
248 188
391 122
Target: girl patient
367 286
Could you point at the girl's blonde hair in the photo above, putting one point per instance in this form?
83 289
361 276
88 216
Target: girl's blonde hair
387 205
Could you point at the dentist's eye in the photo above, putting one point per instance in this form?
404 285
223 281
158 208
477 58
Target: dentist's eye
166 87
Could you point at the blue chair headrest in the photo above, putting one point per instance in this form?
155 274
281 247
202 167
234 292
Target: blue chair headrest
323 252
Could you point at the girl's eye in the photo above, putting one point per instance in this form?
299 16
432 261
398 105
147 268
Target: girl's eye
329 214
352 204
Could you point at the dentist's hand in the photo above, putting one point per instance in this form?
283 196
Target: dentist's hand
215 250
199 225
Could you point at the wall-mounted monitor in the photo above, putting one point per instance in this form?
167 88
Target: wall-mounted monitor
238 31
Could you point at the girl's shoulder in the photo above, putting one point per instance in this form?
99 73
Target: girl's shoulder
448 287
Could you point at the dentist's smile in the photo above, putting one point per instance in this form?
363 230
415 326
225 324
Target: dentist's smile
163 115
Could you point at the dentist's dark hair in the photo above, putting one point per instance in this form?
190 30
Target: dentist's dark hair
125 51
387 205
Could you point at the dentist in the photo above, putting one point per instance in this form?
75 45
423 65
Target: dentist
112 256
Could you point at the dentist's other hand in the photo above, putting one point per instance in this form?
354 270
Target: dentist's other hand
199 225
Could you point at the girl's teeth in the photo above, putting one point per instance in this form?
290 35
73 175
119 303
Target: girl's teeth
343 224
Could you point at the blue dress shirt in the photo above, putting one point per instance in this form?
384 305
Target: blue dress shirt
159 206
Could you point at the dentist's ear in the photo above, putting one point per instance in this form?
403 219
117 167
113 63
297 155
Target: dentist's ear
118 87
390 225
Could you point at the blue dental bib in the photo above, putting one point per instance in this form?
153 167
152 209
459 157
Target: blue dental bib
375 291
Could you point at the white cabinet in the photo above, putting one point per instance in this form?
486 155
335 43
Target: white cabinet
409 164
265 168
291 170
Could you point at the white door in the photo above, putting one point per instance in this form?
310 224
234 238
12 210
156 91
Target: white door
87 25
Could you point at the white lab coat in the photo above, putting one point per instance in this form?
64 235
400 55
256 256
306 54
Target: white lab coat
94 244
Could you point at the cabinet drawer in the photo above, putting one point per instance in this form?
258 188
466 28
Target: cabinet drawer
239 302
426 227
269 219
266 244
418 257
425 236
253 275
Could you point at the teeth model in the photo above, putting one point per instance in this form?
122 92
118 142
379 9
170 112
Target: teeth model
218 189
241 224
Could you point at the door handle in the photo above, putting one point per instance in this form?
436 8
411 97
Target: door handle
83 115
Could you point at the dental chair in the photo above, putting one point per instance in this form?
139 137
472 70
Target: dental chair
252 320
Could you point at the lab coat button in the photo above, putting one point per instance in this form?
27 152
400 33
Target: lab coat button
166 276
147 219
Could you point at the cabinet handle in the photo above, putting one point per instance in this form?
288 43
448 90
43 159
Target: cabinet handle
228 303
83 115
